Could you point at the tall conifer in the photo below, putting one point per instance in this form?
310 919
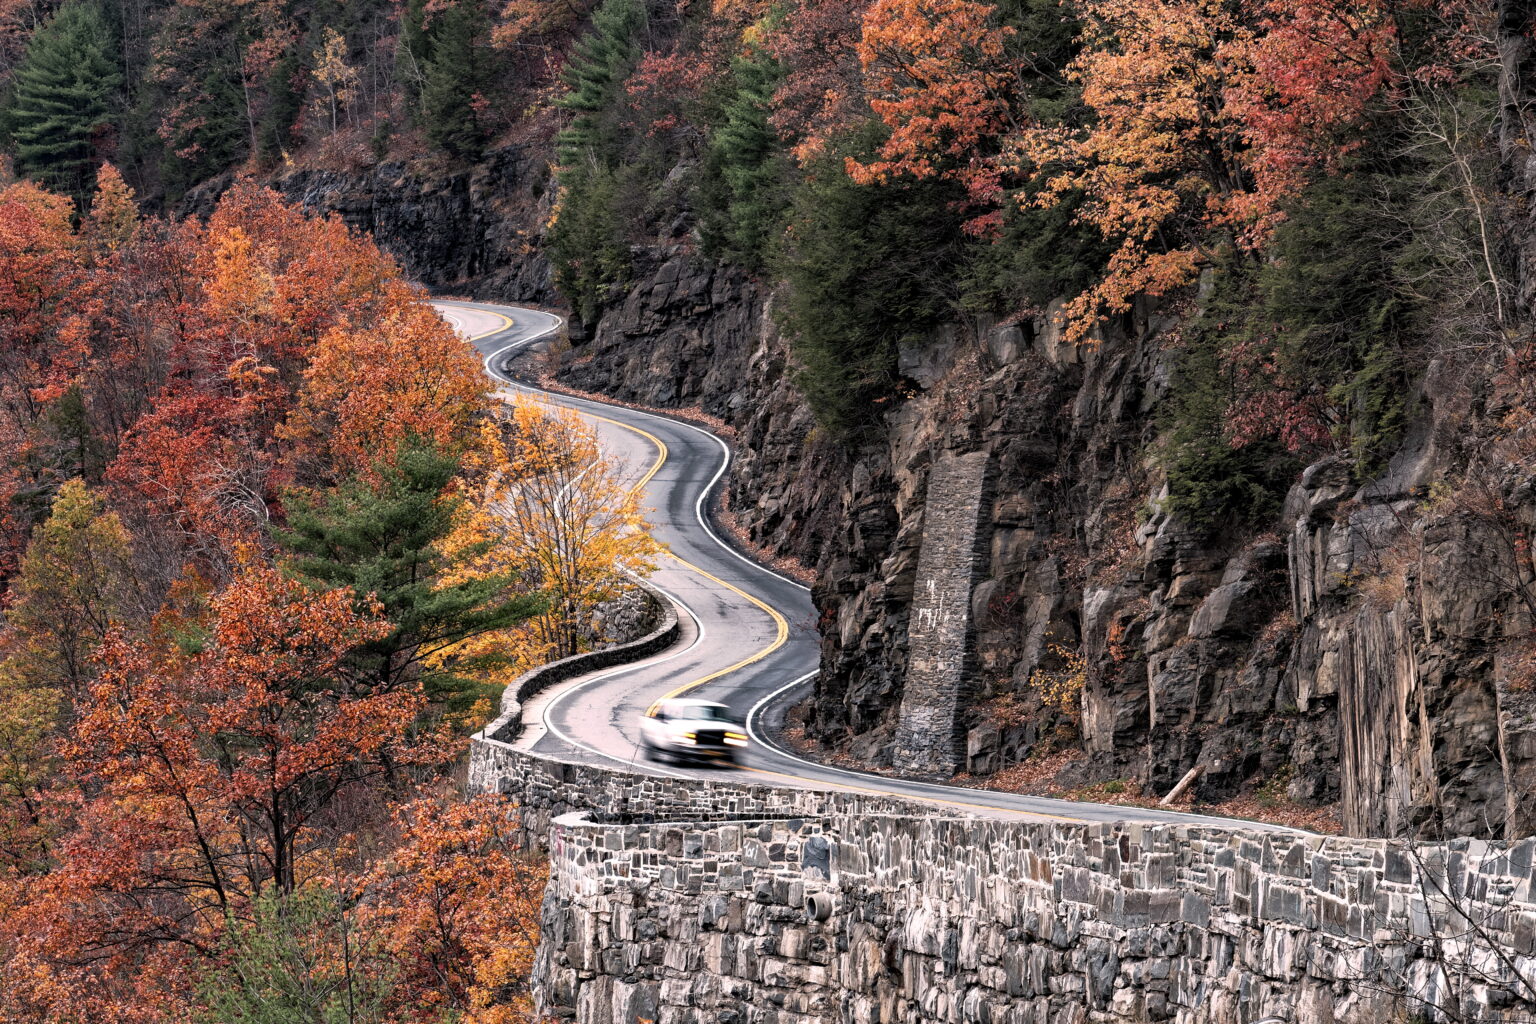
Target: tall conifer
61 102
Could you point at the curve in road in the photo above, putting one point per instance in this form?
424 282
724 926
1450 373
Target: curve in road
747 638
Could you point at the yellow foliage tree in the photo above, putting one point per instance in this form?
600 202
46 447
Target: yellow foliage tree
560 515
76 583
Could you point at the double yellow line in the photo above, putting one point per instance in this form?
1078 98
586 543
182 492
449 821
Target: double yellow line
781 625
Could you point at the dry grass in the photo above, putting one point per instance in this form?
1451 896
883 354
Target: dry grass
1043 776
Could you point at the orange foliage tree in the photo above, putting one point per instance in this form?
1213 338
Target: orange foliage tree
206 771
43 284
820 96
457 906
937 73
1161 144
407 361
1209 116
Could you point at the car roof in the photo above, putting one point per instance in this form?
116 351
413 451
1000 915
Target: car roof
690 702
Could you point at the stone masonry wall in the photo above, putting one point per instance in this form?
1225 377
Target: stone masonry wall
940 645
679 902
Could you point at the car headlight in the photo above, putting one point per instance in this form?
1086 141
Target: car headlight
735 739
690 737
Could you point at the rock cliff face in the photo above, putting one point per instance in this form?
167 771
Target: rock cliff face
471 231
1254 657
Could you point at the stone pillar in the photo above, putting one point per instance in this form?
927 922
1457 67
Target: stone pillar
940 642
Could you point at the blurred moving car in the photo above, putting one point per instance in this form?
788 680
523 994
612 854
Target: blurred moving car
681 729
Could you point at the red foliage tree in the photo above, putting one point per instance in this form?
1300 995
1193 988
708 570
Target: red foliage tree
937 73
205 779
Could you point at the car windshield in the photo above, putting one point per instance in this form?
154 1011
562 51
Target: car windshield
704 713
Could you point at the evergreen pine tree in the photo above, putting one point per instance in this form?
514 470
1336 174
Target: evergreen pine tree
747 165
869 268
456 78
381 538
594 77
62 99
414 50
285 102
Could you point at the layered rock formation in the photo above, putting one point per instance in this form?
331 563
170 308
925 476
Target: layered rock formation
468 231
1356 650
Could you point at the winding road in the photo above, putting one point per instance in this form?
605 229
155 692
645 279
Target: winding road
747 632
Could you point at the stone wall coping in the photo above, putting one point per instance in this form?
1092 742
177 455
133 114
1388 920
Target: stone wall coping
504 729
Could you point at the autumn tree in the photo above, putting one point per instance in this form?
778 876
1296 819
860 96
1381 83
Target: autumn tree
1161 144
939 75
405 358
820 98
456 908
530 30
212 775
1210 117
114 216
76 583
43 281
336 78
198 748
564 520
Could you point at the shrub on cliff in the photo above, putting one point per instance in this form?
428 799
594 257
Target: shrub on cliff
1312 351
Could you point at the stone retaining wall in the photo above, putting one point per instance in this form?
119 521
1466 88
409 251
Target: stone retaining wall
679 902
663 634
964 920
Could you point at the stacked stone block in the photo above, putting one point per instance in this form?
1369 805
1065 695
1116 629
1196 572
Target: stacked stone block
679 902
940 643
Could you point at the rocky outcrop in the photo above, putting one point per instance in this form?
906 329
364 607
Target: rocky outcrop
1351 655
470 231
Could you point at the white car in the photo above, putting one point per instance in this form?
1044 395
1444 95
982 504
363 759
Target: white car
685 729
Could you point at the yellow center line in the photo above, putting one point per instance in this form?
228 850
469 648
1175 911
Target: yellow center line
781 624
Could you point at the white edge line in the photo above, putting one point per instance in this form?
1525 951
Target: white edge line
698 511
725 449
950 792
571 691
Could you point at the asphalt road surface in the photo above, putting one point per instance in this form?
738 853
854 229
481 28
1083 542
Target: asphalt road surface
747 632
